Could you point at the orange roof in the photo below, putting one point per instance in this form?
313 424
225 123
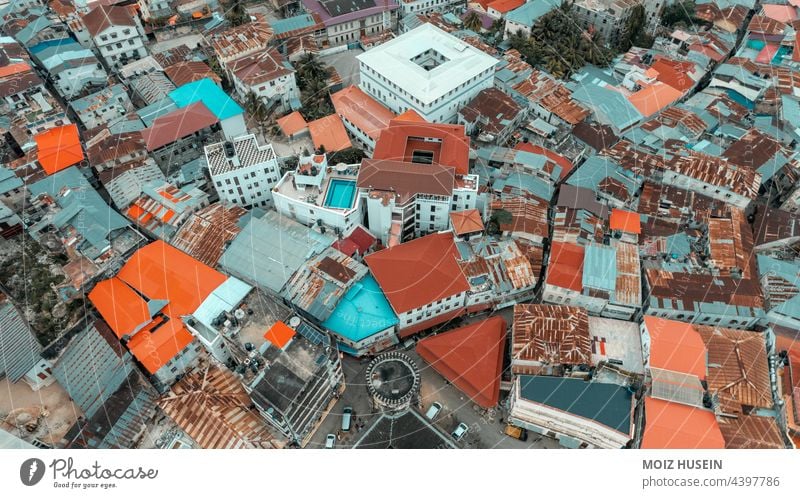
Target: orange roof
565 268
671 425
653 98
160 271
418 272
329 132
292 123
627 221
450 144
59 148
279 334
471 357
19 67
410 116
673 73
676 346
157 271
468 221
362 110
504 6
155 349
122 308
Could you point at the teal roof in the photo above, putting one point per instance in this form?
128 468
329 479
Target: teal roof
528 183
8 180
609 106
362 312
82 208
600 267
207 92
292 24
150 113
597 168
607 404
530 12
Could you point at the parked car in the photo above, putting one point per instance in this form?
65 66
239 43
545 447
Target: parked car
434 410
460 431
516 432
330 441
347 418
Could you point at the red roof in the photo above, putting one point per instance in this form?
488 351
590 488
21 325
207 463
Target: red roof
362 239
292 123
59 148
362 110
671 425
676 346
449 144
329 132
418 272
566 164
156 348
279 334
178 124
471 357
345 246
627 221
504 6
565 268
674 73
651 99
468 221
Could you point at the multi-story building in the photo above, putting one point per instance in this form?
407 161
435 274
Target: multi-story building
429 266
427 70
608 17
298 385
163 208
714 177
319 194
70 67
405 200
426 6
174 138
363 117
117 34
346 22
268 76
243 171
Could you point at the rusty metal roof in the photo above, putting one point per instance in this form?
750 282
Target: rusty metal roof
206 233
551 335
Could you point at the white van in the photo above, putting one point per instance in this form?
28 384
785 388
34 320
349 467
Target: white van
347 418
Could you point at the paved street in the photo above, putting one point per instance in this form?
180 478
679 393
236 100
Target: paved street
346 65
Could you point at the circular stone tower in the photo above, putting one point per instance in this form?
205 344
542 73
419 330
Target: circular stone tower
393 381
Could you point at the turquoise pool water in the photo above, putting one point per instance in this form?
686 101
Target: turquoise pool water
362 312
756 44
340 193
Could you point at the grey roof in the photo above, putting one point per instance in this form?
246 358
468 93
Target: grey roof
406 430
93 366
9 441
270 249
19 349
8 180
81 208
606 404
581 198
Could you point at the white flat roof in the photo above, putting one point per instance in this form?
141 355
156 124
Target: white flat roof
393 60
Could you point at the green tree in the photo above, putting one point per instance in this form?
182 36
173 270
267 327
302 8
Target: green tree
472 21
634 33
235 12
679 13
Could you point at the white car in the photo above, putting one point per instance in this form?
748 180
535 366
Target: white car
434 410
330 441
460 431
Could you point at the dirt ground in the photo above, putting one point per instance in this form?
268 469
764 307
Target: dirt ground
61 412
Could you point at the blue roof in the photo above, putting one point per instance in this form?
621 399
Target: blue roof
528 183
597 168
292 23
8 180
530 12
207 92
609 106
788 271
362 312
600 267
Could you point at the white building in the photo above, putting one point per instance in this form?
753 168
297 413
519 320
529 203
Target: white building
426 6
317 193
242 171
406 200
427 70
117 34
267 75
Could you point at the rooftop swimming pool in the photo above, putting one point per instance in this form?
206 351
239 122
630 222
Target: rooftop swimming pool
340 193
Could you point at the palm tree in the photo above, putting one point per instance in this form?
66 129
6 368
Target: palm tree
311 68
472 21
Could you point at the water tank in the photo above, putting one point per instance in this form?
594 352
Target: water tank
294 322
